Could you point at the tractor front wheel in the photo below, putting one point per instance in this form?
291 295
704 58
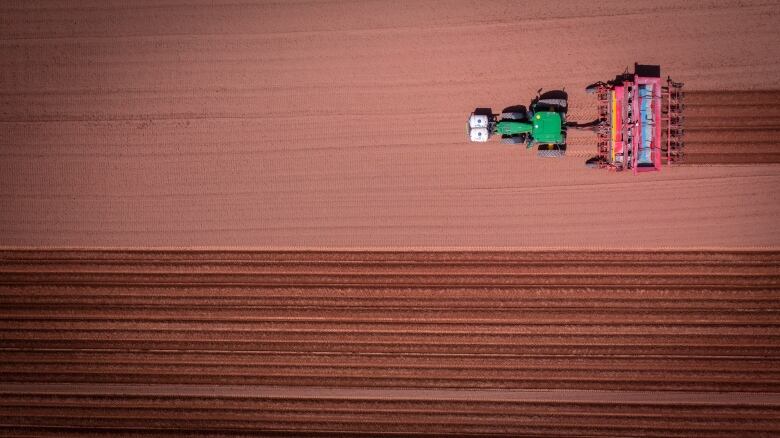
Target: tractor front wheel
515 112
514 116
513 139
551 150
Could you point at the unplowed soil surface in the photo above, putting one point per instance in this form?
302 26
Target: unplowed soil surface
541 343
201 123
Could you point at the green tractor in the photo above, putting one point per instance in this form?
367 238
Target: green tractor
542 125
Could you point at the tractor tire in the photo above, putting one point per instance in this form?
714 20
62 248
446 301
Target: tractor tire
514 116
551 150
550 153
513 139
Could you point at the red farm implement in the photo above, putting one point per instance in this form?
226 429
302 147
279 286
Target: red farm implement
640 121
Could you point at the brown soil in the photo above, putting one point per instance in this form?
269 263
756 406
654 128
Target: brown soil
535 344
732 127
341 124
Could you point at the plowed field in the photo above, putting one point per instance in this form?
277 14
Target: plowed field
731 127
539 343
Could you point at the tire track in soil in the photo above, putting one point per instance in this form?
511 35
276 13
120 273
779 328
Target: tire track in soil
537 343
732 127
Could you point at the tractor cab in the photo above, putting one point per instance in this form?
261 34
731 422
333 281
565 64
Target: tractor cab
547 127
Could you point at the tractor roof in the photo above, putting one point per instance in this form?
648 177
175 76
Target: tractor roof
547 127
